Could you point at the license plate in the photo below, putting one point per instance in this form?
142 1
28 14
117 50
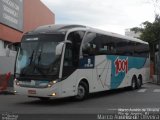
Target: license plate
31 91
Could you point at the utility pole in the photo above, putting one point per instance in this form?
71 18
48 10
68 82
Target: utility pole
158 64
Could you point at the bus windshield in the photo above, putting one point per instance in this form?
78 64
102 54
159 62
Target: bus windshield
37 55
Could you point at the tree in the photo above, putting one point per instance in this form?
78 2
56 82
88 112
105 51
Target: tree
136 29
150 32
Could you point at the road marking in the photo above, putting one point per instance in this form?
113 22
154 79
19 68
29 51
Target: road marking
142 90
156 90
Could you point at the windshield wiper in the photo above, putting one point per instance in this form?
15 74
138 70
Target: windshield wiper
39 57
31 57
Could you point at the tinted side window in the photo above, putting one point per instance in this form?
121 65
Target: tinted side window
129 49
89 47
76 39
124 47
68 56
98 44
141 50
120 46
105 45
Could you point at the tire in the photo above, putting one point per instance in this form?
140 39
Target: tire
139 83
134 83
82 91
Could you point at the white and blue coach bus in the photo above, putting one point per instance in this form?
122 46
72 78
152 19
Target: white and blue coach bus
57 61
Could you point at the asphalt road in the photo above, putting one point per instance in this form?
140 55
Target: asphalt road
105 102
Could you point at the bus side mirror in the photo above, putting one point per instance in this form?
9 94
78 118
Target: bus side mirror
59 48
7 51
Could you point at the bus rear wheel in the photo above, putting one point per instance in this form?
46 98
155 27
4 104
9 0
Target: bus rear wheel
82 91
134 83
139 82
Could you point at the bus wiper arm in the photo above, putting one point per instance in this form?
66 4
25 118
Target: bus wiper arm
39 57
31 58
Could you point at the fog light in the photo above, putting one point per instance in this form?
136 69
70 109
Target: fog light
53 94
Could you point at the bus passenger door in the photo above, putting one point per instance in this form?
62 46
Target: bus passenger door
69 72
71 62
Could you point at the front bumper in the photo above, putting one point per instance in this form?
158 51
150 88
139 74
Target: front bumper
52 92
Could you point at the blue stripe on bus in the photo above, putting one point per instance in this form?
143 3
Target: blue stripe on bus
117 77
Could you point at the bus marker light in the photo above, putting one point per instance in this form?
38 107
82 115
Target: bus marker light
49 85
54 82
53 94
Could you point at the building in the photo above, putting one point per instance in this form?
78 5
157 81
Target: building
130 33
20 16
16 18
156 62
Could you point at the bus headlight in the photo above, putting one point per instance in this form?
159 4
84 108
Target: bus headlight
16 82
50 84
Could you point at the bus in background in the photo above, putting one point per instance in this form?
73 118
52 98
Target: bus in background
56 61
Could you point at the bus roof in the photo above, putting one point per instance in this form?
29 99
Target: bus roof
54 28
64 28
117 35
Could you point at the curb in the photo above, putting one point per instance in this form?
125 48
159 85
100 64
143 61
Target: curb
7 93
154 83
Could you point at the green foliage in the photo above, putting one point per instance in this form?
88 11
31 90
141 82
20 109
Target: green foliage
136 29
150 31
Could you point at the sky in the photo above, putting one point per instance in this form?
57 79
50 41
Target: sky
109 15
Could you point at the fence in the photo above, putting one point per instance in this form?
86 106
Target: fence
7 65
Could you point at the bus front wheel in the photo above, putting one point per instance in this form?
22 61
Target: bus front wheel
82 91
